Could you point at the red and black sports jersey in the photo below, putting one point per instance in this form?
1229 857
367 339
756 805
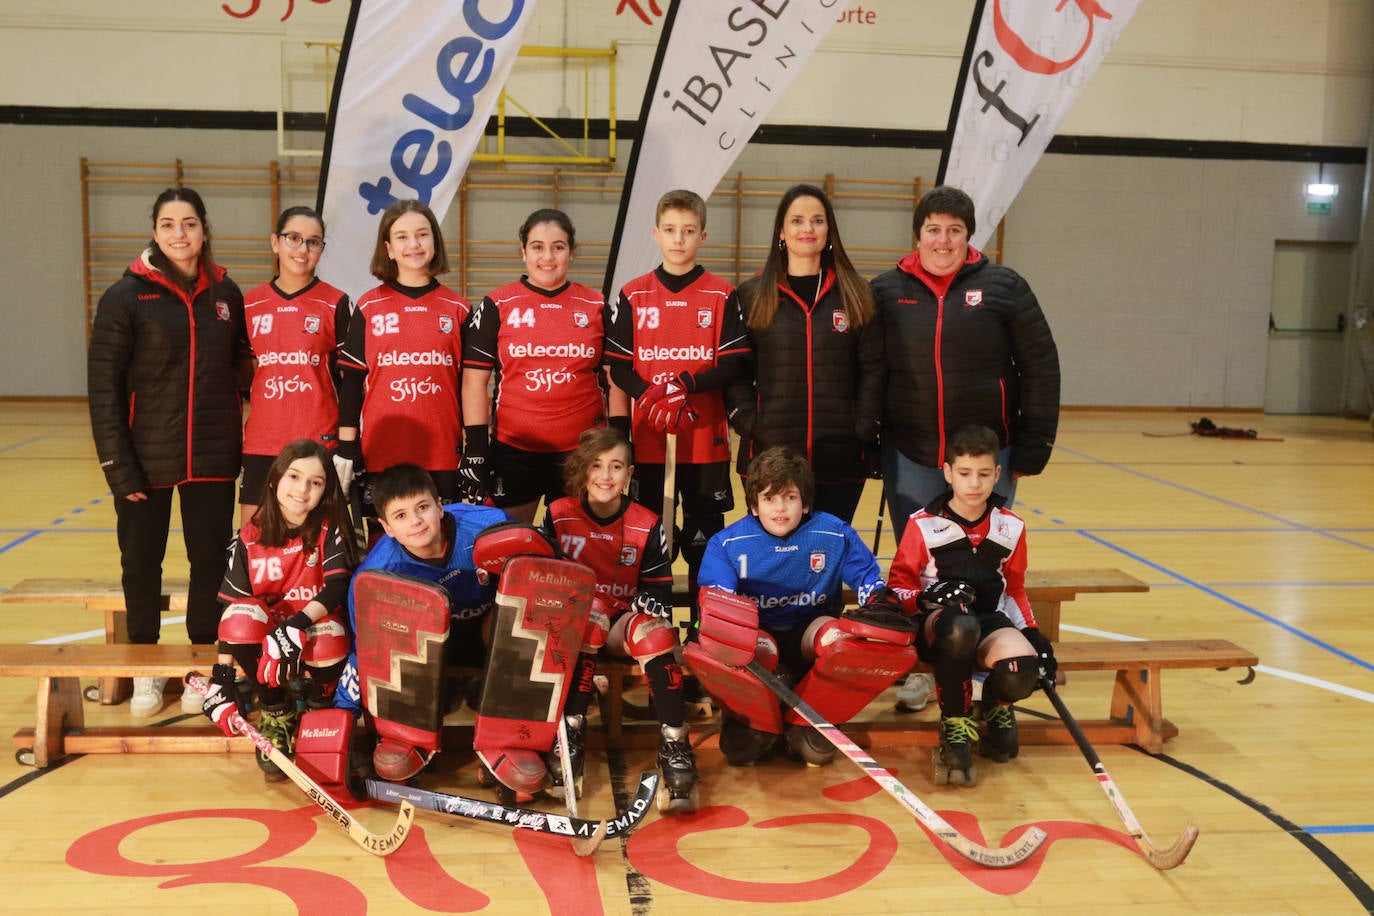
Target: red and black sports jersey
408 342
296 338
287 578
545 348
989 554
627 551
663 329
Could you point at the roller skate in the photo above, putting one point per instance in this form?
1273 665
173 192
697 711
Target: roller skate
677 792
278 725
742 745
813 748
1000 743
576 727
953 759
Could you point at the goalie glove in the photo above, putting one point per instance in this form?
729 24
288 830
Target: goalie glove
281 650
950 593
652 605
219 701
1044 649
474 471
348 461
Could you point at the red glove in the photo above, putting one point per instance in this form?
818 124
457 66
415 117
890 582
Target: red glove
666 403
281 650
220 704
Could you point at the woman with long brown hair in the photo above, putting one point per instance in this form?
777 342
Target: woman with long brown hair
818 354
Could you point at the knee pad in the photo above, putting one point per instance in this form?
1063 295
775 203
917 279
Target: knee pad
696 531
598 626
956 634
1012 679
326 642
496 544
648 637
766 651
245 622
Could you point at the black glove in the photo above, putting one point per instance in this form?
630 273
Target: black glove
221 699
951 593
281 650
620 425
474 471
348 462
1044 649
652 605
884 609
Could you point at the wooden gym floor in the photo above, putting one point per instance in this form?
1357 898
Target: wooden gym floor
1267 543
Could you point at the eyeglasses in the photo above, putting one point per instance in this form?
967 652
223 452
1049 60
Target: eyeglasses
296 240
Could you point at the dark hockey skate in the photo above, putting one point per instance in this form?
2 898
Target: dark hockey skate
742 745
677 792
1000 742
953 759
576 728
278 725
813 748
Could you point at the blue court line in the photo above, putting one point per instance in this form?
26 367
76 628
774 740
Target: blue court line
1342 828
27 537
14 445
1289 628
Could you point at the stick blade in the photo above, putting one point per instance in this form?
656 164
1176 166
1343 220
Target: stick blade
386 843
585 846
1165 859
996 857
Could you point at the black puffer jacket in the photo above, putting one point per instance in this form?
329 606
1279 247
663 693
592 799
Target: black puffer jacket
160 378
981 354
816 387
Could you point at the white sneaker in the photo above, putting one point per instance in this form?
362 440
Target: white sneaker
191 701
916 692
147 699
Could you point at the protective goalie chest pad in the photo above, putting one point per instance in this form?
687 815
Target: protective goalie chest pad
322 748
542 608
496 544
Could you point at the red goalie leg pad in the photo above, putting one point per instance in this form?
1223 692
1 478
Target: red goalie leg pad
542 607
515 768
402 625
849 673
326 642
735 689
322 748
245 622
729 626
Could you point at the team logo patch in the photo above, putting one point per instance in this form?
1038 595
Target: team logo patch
312 561
629 556
839 321
580 319
704 318
222 310
312 324
973 297
817 561
445 324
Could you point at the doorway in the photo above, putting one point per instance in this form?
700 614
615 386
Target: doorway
1306 367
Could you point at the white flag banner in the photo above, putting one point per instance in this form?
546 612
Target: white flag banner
721 66
417 80
1025 64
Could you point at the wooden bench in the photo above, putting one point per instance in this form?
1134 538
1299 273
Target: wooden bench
59 725
104 595
1135 714
1048 590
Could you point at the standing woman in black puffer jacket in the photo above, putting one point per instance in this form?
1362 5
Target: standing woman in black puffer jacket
817 385
162 372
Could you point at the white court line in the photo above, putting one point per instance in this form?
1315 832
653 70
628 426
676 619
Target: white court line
89 634
1264 669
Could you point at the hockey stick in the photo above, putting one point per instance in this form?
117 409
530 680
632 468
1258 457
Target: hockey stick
878 523
383 844
670 491
565 760
586 834
990 857
1161 859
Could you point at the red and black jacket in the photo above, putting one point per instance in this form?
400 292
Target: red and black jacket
161 382
817 385
981 352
